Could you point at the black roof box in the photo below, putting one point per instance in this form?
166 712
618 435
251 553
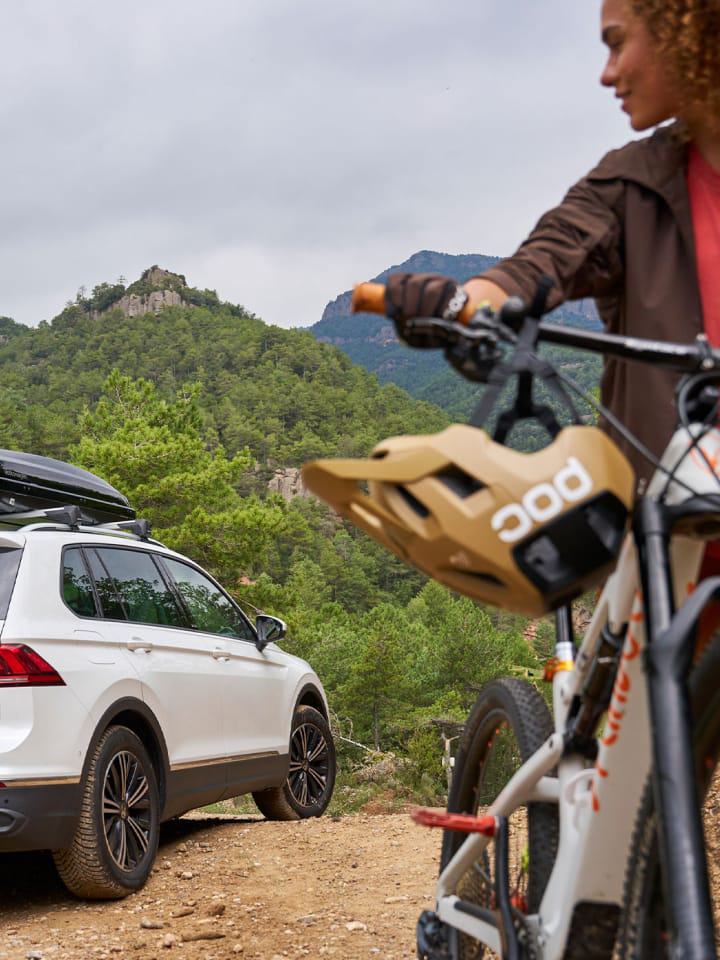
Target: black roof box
29 482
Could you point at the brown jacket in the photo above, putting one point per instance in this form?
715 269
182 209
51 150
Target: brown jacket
623 235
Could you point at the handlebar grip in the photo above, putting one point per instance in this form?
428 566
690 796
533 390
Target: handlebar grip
368 298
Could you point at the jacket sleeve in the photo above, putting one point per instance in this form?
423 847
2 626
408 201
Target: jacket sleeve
578 244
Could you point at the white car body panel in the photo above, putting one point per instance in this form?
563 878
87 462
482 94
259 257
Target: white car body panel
178 680
212 699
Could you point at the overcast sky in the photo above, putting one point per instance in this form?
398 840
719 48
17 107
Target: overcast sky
277 151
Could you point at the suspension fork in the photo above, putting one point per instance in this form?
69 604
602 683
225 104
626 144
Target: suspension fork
668 659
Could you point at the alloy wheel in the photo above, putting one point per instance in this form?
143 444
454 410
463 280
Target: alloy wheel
309 764
126 810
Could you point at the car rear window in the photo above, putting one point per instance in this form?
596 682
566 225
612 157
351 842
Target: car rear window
9 563
77 587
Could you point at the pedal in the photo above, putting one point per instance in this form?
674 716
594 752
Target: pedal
432 937
463 822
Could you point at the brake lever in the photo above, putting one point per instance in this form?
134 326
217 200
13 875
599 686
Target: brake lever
432 333
434 328
473 349
503 324
475 361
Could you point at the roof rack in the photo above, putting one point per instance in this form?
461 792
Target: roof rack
70 515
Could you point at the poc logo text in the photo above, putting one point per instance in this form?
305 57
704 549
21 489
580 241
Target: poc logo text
542 502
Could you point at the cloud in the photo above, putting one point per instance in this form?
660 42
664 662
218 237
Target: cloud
265 140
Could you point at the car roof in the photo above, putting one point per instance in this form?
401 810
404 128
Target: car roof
15 531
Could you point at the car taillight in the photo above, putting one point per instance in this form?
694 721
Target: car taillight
20 666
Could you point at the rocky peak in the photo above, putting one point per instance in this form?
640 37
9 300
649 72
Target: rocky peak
136 304
163 279
156 289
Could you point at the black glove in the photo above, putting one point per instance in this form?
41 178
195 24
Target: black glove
411 295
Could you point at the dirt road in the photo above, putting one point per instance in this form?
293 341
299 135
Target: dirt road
238 887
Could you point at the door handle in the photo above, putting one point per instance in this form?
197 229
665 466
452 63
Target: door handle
137 643
220 653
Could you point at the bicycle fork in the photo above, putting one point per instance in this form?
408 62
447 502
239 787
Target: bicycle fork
668 659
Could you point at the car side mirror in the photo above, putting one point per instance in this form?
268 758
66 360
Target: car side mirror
269 630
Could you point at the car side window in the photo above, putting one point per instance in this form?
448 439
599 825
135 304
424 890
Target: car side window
110 601
76 584
131 587
210 609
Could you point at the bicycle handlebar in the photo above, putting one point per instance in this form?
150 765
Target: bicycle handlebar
681 357
370 298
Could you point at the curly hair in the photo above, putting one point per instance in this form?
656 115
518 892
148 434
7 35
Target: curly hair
687 34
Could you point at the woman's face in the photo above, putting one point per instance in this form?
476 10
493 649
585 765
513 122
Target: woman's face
634 68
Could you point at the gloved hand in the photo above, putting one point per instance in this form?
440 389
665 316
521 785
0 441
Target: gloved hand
411 295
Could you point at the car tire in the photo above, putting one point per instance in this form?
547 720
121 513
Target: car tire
115 843
309 785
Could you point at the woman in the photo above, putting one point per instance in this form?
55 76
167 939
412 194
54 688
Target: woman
640 233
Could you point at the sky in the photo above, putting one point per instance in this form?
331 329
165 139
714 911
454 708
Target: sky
279 151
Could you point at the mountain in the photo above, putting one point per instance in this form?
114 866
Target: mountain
280 393
370 340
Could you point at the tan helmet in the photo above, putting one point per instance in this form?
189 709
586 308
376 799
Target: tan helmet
522 531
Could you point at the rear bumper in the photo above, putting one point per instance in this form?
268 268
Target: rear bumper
38 817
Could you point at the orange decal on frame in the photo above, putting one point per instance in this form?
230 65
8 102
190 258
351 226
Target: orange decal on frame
620 693
634 647
707 461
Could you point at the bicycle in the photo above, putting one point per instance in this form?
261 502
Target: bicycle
576 833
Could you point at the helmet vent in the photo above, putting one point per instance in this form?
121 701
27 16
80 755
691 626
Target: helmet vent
478 575
486 577
461 483
379 455
419 508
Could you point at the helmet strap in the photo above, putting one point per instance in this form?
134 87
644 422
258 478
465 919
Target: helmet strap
524 364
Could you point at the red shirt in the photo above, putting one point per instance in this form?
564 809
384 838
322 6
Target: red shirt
704 190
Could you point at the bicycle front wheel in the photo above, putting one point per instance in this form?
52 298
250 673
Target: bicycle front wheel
508 723
644 934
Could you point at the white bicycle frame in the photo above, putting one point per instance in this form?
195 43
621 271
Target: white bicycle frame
597 805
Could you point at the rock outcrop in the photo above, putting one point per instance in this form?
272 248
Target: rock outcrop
135 305
288 482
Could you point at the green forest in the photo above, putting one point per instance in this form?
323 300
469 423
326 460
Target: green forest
189 412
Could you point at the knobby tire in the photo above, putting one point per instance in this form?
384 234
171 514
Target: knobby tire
509 722
644 931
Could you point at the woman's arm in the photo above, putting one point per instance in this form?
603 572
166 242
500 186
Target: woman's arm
482 291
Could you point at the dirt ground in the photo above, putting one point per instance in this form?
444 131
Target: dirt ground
238 887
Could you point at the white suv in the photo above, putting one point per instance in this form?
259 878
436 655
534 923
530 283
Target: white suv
132 689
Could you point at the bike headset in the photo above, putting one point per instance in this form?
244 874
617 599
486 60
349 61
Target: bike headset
527 532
